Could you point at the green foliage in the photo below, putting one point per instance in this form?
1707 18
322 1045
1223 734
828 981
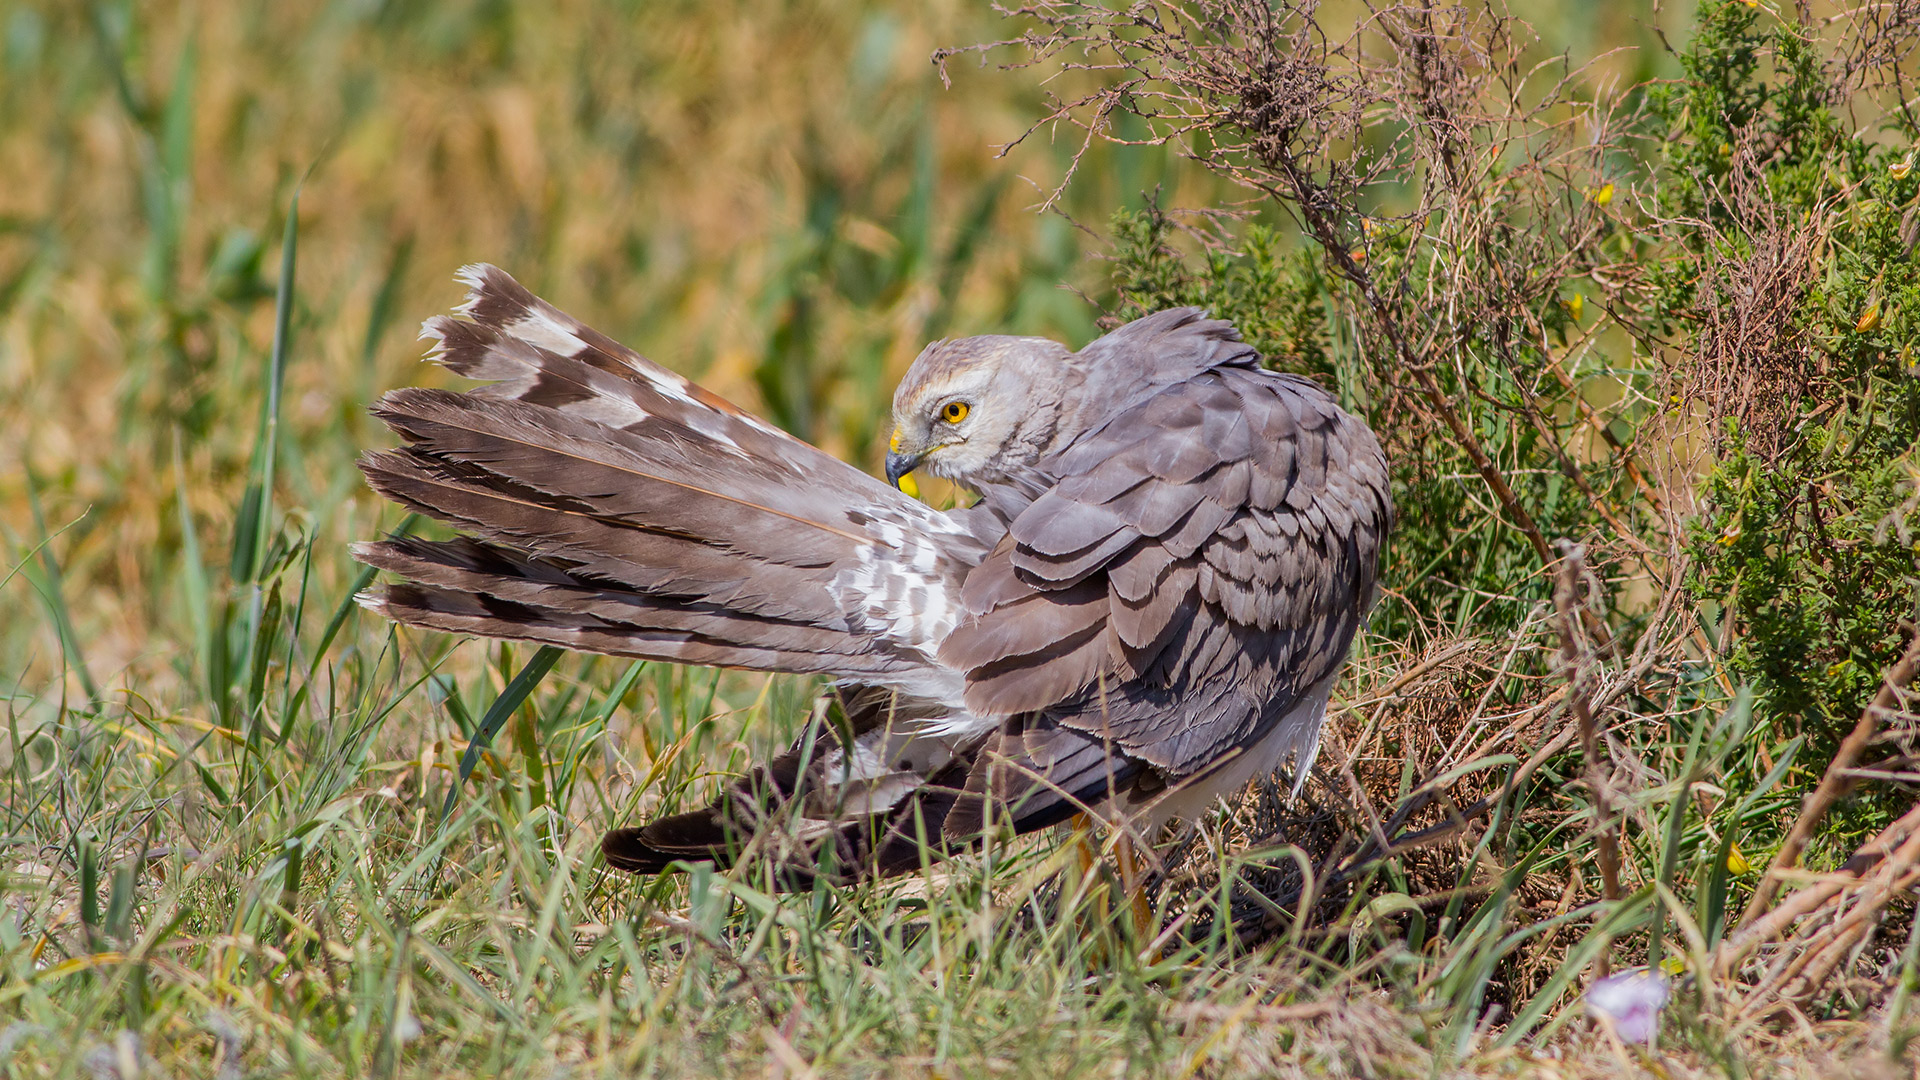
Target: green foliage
1745 86
1814 558
1756 299
1808 543
1275 297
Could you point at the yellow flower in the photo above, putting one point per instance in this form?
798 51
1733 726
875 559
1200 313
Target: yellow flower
1736 862
1604 195
1869 320
1674 965
1899 169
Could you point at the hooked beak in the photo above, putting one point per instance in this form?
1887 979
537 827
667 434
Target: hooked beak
899 465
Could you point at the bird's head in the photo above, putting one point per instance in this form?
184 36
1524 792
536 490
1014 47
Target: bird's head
976 410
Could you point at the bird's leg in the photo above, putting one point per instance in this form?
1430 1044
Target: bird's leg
1133 880
1084 861
1083 856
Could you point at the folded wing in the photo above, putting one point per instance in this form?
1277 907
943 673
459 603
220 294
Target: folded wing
1199 568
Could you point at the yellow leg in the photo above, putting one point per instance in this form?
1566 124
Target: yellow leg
1084 860
1133 880
1083 857
1132 873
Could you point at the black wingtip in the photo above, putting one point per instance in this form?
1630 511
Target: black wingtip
696 836
627 849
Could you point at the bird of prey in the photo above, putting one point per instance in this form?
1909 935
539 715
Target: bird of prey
1171 553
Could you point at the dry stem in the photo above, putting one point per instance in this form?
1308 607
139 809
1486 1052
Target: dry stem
1579 698
1837 781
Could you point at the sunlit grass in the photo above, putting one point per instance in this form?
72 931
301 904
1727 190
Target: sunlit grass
225 845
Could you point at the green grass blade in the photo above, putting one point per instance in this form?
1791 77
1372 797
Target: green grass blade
53 592
1676 824
362 578
193 567
497 715
380 318
170 175
256 525
1720 880
112 56
254 528
1626 915
90 891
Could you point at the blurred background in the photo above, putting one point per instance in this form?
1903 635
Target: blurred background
781 199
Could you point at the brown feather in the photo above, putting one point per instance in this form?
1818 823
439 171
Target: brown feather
1169 576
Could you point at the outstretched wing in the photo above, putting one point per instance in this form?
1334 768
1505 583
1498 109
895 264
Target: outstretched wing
614 506
1197 571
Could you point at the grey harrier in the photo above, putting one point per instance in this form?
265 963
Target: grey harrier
1172 551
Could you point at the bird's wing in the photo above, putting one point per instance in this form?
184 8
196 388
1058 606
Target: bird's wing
615 507
1204 559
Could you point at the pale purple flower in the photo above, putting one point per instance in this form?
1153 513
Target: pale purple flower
1631 1001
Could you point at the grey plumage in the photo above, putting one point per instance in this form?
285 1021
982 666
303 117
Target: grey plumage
1172 553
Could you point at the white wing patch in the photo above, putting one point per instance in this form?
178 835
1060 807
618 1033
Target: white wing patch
538 329
895 588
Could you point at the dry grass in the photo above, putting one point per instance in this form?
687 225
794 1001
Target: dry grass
222 787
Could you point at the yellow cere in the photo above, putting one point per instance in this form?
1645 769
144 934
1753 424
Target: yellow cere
893 442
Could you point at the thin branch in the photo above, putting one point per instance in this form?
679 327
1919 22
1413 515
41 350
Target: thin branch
1836 782
1566 598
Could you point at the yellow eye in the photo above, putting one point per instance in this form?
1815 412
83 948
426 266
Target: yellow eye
954 412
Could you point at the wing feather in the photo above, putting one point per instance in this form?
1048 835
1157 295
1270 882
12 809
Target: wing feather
582 455
1232 588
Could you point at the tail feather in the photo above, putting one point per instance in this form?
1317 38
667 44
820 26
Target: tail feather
529 332
626 510
466 586
649 560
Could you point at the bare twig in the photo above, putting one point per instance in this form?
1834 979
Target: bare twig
1836 782
1830 930
1566 597
1891 840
